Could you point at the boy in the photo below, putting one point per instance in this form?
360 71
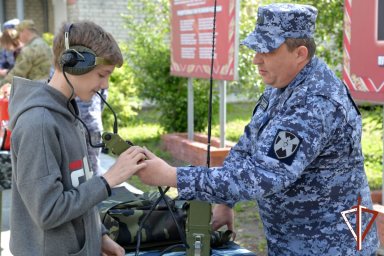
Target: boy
53 191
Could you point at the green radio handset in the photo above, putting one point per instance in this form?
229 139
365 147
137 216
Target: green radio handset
115 143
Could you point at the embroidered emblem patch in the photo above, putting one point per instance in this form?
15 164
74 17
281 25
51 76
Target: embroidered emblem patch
284 146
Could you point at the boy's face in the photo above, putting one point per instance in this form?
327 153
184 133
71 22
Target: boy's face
88 84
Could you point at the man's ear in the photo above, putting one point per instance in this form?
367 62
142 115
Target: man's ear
302 54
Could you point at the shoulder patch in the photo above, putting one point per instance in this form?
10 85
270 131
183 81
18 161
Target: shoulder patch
284 147
262 103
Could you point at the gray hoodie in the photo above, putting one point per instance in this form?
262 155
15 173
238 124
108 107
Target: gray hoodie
53 191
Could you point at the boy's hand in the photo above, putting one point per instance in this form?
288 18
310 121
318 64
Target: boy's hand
128 163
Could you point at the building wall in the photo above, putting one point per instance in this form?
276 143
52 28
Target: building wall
33 9
48 17
107 14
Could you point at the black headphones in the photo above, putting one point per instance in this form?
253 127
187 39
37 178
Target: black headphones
77 59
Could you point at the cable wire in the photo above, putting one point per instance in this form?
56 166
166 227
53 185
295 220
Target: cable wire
99 145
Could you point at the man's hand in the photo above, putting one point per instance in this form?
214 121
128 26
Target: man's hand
129 162
110 247
223 215
157 172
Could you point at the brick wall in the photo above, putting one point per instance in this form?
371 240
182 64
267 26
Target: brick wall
33 9
107 14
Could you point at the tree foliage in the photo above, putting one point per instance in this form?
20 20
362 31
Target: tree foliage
122 97
148 55
147 72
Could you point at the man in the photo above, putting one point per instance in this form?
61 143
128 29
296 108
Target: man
35 59
300 156
54 194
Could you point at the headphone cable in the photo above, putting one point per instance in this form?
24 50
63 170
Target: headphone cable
99 145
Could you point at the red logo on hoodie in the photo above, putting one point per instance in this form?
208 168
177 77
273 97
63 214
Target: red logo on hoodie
79 171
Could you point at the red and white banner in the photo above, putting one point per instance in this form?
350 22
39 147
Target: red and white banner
191 41
364 49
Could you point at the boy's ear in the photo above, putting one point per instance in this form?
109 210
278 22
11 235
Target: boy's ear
78 60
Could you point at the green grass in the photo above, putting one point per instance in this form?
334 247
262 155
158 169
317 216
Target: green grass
145 131
372 144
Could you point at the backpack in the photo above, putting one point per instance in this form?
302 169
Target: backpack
124 213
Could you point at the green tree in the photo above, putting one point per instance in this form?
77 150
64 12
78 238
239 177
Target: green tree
148 57
122 96
248 84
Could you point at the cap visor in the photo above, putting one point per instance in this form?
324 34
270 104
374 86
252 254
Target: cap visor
262 42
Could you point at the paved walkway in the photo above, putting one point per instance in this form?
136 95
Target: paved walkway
106 162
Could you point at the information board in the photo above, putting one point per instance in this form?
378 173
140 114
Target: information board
364 49
191 38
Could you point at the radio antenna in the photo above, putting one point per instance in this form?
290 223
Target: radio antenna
211 88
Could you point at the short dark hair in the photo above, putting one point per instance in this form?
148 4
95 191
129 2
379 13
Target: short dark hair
293 43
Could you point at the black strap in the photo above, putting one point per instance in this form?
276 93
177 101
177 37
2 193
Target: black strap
353 102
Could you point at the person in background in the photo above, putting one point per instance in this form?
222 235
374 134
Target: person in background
54 194
10 42
91 114
35 59
7 57
300 156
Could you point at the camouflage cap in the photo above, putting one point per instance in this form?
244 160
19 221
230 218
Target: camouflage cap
26 24
276 22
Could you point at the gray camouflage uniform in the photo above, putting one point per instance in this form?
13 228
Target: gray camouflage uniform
300 156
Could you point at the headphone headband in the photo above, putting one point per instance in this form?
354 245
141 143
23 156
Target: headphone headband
66 35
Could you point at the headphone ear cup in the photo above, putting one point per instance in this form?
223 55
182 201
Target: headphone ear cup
78 60
68 59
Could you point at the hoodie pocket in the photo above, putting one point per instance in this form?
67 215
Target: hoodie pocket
82 252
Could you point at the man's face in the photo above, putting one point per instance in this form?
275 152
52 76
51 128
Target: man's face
88 84
23 36
277 68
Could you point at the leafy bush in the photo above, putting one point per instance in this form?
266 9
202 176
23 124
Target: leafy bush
249 83
122 96
148 57
48 38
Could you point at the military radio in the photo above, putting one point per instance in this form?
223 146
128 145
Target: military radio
198 231
115 143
